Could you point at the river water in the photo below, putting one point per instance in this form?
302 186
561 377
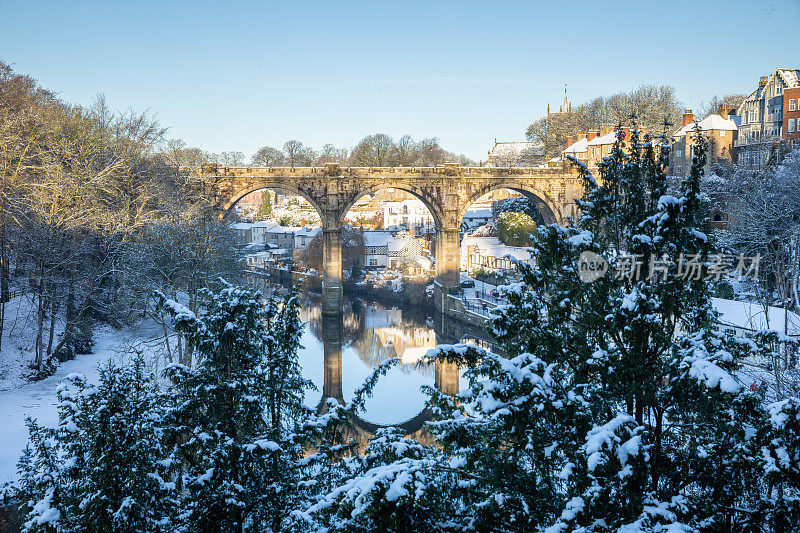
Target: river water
338 355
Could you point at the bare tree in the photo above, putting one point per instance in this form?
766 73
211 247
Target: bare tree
295 152
267 156
331 154
763 207
376 150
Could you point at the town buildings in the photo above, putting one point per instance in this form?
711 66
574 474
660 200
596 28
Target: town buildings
410 214
721 131
765 115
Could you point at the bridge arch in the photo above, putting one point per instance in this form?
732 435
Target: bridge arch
284 186
430 203
546 205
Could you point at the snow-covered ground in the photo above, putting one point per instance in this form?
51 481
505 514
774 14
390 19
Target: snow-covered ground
396 398
38 399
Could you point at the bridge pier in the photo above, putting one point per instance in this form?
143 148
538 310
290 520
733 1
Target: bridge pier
332 351
332 294
447 249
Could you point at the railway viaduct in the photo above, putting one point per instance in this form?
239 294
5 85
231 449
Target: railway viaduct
446 190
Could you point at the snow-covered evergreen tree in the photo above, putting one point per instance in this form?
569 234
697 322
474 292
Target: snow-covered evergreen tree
234 418
616 405
103 467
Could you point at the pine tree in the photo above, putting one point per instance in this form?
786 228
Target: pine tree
265 208
103 468
616 404
234 418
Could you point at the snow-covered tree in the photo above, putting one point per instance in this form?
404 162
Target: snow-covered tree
234 417
104 467
616 405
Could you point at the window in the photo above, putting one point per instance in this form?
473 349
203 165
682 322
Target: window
792 104
779 90
791 125
722 133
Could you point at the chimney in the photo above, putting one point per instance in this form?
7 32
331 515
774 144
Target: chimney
581 136
688 117
763 81
570 140
605 128
725 110
626 130
592 134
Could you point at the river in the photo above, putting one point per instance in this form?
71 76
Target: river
338 355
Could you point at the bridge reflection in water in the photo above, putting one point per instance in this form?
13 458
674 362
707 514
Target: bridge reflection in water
376 334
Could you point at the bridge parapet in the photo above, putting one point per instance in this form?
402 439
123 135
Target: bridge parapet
335 170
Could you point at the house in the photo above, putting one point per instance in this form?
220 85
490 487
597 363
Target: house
762 113
410 214
259 229
720 129
304 236
282 236
591 147
376 253
244 232
577 147
490 254
483 249
267 258
742 318
476 216
405 252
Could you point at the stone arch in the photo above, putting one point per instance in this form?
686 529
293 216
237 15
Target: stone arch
548 208
283 186
431 204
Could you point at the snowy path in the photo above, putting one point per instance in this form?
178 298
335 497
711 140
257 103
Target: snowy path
39 400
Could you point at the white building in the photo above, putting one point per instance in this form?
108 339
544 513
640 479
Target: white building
488 253
259 229
376 253
410 214
304 236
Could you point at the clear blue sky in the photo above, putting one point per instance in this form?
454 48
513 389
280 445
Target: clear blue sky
239 75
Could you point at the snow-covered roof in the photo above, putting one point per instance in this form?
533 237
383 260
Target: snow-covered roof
487 230
242 225
308 231
578 147
376 238
478 213
608 138
751 316
264 224
283 229
395 244
790 76
711 122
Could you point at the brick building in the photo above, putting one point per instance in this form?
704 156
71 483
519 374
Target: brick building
721 130
791 116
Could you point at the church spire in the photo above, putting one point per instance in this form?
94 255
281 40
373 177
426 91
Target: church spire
566 105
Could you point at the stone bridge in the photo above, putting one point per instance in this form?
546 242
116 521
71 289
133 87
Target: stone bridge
447 191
